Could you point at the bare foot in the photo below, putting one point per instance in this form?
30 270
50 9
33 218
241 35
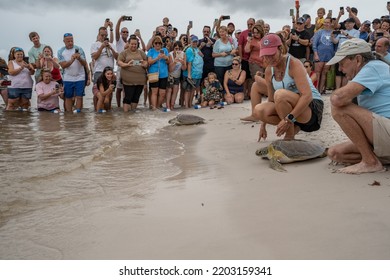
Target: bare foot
249 119
362 167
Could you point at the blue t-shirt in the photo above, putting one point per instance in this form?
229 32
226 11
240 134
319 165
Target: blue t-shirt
323 45
219 47
161 65
375 77
196 60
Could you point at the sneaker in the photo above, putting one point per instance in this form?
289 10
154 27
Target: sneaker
102 111
55 111
77 111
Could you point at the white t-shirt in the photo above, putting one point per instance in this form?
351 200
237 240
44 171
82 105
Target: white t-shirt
105 59
75 72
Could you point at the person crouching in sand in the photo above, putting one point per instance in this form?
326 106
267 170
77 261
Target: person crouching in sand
367 125
293 101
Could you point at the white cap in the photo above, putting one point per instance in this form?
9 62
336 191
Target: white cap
350 47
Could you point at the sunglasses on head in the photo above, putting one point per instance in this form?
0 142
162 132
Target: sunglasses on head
18 49
68 35
108 68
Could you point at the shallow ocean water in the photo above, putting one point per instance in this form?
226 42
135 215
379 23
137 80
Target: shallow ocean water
57 168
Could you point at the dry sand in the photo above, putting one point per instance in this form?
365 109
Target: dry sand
228 204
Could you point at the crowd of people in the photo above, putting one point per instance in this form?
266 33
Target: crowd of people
290 67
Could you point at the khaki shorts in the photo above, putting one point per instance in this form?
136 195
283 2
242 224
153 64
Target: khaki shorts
381 130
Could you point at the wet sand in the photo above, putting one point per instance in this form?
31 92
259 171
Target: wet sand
227 204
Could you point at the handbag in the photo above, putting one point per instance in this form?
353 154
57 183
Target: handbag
153 77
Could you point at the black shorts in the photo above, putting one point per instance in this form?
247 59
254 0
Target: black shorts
161 83
338 72
245 66
314 124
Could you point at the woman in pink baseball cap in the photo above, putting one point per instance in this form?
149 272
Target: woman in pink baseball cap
293 102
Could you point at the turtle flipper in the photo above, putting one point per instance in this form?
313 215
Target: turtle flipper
275 165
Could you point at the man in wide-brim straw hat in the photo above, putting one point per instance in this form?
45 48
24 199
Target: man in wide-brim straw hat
367 125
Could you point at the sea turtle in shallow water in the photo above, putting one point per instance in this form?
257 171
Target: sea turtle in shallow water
186 119
287 151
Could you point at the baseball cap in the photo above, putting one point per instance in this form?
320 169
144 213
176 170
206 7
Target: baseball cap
301 20
366 22
306 16
269 44
238 31
350 47
194 38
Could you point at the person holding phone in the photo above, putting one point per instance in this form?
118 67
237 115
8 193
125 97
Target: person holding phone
73 63
177 64
48 93
158 63
324 50
133 64
345 34
47 61
20 90
223 53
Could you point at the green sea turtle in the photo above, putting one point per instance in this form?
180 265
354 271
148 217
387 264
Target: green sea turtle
186 119
287 151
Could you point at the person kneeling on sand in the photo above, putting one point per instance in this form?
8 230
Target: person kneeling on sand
367 125
293 101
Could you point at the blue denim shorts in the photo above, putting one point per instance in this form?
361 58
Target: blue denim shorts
14 93
72 89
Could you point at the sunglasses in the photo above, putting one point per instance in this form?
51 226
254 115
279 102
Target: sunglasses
68 35
235 64
125 31
108 68
18 49
157 43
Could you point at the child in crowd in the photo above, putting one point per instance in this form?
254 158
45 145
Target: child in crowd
213 92
320 19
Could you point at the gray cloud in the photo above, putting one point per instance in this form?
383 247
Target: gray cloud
68 5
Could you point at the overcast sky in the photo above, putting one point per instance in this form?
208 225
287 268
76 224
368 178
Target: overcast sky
83 17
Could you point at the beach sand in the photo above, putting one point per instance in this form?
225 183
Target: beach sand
223 203
228 204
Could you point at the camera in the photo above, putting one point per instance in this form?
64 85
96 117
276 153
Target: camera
158 33
4 70
205 40
162 51
26 57
293 32
341 8
336 32
249 34
136 62
76 51
225 17
57 86
106 39
127 18
107 20
379 34
113 83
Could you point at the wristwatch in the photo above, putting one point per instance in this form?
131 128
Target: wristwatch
291 118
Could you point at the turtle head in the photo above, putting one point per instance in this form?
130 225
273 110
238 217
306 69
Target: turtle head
262 152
